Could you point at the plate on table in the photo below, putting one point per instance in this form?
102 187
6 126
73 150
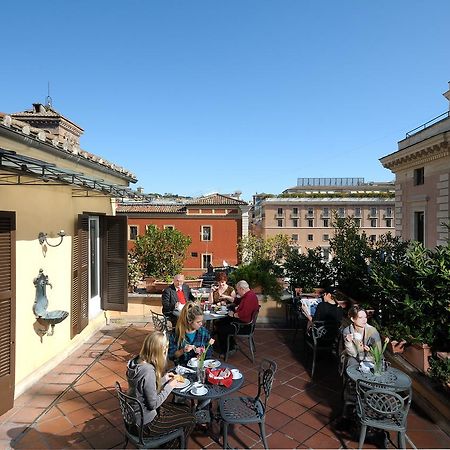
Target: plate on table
212 363
221 312
189 364
182 384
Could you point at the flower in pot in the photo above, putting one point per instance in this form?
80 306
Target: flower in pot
377 355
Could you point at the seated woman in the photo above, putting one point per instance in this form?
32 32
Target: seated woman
147 383
222 293
359 336
189 336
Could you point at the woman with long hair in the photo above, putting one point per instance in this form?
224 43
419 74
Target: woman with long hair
359 336
221 292
190 337
151 386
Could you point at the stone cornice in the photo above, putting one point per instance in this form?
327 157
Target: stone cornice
411 157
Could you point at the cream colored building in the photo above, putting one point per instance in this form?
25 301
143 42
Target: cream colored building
422 170
48 184
305 212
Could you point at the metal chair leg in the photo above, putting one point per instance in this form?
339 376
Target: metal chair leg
225 434
362 436
262 429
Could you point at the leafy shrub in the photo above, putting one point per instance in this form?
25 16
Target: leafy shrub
261 273
161 253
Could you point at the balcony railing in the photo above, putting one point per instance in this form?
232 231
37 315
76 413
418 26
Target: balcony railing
428 124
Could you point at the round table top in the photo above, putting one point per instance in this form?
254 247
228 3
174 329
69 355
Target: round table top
214 390
391 376
206 316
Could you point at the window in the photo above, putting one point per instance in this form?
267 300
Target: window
357 222
357 212
133 232
310 211
206 233
326 223
419 226
295 223
310 237
373 212
373 223
326 237
389 212
206 260
194 254
310 223
294 237
279 211
295 211
372 238
389 222
419 176
326 253
169 227
326 212
280 222
94 257
341 212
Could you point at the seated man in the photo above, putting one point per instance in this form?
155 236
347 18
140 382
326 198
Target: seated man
244 311
174 296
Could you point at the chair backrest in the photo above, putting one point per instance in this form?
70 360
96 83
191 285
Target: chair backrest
378 402
324 333
159 322
266 373
132 414
254 319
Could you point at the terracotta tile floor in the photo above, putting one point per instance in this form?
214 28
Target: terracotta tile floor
75 406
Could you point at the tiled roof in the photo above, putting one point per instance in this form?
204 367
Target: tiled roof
146 208
216 200
63 146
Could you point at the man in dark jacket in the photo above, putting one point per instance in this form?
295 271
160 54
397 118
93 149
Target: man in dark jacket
174 296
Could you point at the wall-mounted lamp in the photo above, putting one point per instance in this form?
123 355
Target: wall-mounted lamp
43 238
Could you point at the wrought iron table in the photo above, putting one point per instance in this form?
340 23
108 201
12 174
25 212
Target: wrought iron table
391 377
201 409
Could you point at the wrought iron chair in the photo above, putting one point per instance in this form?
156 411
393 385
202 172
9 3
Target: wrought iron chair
159 322
244 331
133 418
321 336
384 407
243 410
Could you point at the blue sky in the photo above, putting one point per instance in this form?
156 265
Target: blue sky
209 96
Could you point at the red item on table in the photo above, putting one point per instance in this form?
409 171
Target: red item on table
212 376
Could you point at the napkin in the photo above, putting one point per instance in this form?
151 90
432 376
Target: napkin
222 377
181 370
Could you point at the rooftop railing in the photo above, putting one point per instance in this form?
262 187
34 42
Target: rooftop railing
428 124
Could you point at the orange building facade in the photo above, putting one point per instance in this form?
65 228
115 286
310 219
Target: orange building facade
215 223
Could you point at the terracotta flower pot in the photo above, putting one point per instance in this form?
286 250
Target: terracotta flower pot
417 355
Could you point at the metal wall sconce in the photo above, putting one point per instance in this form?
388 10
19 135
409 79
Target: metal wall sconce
43 238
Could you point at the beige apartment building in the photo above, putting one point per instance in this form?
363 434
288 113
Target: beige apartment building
422 170
306 211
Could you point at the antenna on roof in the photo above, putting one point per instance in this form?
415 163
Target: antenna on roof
48 99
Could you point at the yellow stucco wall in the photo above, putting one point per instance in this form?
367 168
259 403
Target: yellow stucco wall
48 209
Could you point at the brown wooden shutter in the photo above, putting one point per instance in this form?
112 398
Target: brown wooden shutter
80 276
114 263
7 309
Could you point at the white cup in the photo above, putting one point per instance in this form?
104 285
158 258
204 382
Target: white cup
199 390
236 373
357 336
193 362
223 308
